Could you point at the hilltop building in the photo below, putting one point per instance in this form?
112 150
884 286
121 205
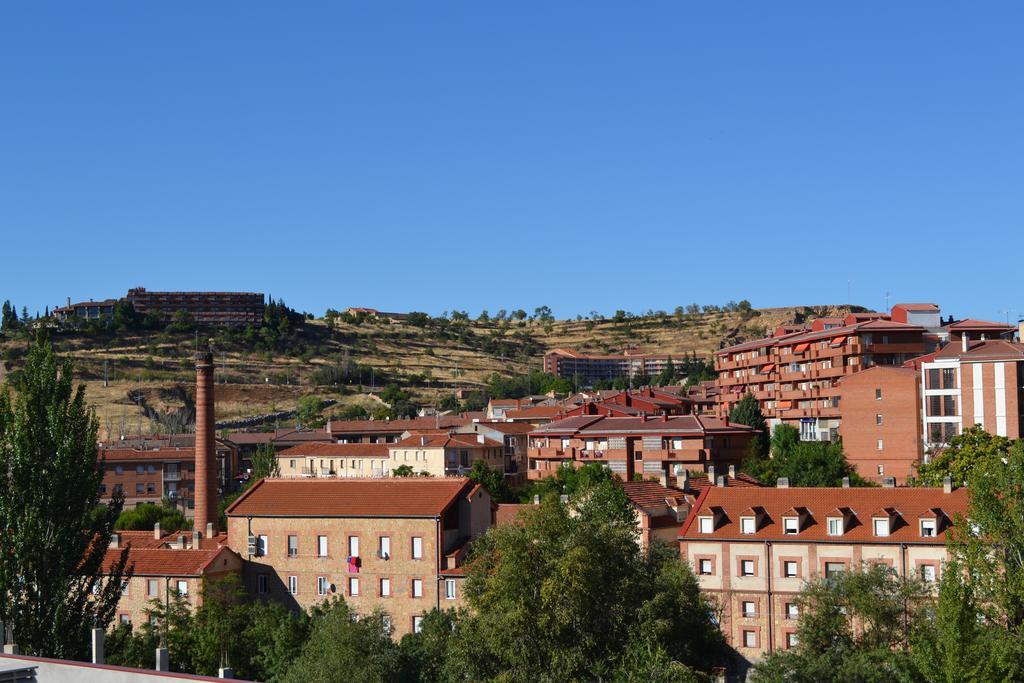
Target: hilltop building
589 368
206 308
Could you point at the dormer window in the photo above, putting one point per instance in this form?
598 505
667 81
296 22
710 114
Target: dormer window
791 525
707 524
881 526
747 525
835 526
928 527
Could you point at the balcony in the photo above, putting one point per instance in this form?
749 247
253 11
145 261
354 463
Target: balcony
172 476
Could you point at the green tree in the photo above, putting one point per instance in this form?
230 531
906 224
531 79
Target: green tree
264 463
308 410
342 647
273 638
965 451
804 463
854 626
53 583
403 471
142 517
490 479
747 411
668 376
564 594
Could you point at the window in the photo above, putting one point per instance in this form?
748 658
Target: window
749 638
747 525
321 546
385 621
140 489
449 589
118 470
746 567
385 588
748 608
139 469
417 548
792 610
384 547
835 526
124 588
881 527
881 469
790 525
789 569
927 528
151 469
880 445
150 488
928 572
293 584
261 546
833 568
261 584
353 585
321 585
878 394
417 624
878 419
417 588
293 546
126 618
704 567
183 588
353 546
152 588
791 640
706 525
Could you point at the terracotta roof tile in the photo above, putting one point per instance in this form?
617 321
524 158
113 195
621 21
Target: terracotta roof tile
337 450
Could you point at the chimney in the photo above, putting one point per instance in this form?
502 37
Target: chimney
195 540
663 479
480 438
711 473
782 483
209 530
206 455
732 471
182 541
97 646
683 480
156 531
423 440
889 482
963 342
722 482
947 485
115 540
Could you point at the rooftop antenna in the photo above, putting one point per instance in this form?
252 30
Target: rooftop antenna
886 300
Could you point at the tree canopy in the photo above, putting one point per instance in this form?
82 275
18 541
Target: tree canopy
804 463
747 411
973 447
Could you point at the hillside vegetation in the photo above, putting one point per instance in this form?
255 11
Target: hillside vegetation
135 368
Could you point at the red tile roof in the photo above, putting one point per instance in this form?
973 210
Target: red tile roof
127 454
445 440
541 412
972 324
993 349
147 561
337 450
506 427
508 513
910 503
649 494
593 425
393 426
394 497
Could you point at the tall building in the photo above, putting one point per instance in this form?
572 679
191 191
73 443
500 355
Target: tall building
207 308
795 375
589 368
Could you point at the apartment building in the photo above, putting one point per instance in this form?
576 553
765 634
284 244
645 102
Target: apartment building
164 564
515 437
392 544
643 445
881 426
388 431
445 454
972 383
795 375
589 368
334 460
633 402
498 408
149 476
753 548
206 308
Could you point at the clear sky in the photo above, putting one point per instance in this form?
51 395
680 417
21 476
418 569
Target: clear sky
583 155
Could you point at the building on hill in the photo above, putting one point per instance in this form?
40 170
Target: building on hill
972 382
160 563
151 475
881 427
754 548
587 369
633 402
207 308
498 408
85 310
649 446
443 454
704 397
795 375
388 431
334 460
395 544
537 415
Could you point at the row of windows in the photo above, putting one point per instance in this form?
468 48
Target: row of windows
748 608
882 526
322 547
747 568
152 469
354 585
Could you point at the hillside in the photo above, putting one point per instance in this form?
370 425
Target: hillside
150 372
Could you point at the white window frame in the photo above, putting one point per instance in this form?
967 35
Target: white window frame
880 524
322 546
707 524
293 585
384 547
262 544
752 612
743 568
701 564
321 585
153 588
790 525
792 610
927 569
417 623
384 587
353 586
748 525
748 636
786 564
293 551
417 548
417 588
931 525
449 589
835 526
182 587
353 546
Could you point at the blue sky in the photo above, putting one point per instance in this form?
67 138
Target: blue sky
584 155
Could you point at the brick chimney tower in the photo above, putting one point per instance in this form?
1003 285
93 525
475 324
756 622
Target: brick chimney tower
206 453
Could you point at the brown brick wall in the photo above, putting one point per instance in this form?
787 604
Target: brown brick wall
900 408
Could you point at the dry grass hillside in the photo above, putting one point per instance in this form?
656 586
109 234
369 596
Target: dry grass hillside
131 375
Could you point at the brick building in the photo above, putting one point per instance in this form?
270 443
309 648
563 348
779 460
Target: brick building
753 548
972 382
334 460
589 368
166 562
206 308
881 427
148 476
651 446
515 437
795 375
393 544
388 431
445 454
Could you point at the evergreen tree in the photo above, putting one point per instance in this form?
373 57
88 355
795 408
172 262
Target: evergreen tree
52 588
748 412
